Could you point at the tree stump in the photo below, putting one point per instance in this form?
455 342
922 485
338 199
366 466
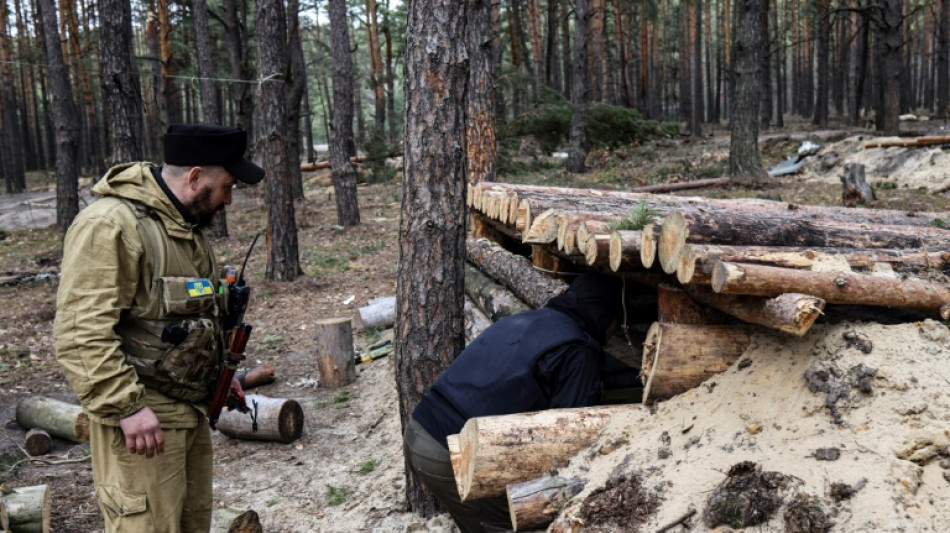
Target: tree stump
335 352
854 189
37 442
278 419
60 419
27 509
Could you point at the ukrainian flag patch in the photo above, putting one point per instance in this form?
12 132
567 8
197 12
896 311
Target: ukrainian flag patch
199 287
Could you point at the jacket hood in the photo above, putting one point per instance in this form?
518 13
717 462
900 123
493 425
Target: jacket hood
135 182
594 301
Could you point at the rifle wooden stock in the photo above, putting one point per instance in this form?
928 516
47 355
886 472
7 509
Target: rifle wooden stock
236 346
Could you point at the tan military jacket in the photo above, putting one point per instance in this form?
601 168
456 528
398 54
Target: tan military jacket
103 276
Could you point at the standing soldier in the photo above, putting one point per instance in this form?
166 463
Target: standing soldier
138 327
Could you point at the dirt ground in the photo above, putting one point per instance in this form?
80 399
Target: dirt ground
346 472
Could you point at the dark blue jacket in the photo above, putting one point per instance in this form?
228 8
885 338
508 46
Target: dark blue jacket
531 361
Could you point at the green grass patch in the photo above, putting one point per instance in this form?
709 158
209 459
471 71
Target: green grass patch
336 495
365 467
341 400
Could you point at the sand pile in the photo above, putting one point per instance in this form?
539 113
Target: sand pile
849 425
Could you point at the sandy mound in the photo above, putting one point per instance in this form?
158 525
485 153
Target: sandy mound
920 167
852 407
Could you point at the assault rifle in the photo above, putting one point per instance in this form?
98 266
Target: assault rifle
237 333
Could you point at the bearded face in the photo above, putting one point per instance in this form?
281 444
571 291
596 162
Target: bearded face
212 194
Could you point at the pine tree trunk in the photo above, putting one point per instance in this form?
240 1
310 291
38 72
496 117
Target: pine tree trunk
235 19
580 89
297 83
480 119
66 119
943 61
430 324
342 145
744 161
283 262
120 82
10 147
376 66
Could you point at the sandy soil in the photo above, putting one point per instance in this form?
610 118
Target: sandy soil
346 472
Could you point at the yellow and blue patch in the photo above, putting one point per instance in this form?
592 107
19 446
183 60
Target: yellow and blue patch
199 287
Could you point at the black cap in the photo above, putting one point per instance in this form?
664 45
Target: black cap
595 300
205 144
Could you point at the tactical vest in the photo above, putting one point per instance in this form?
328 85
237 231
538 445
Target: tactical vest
174 339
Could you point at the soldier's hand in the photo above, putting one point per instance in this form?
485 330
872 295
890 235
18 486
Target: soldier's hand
143 434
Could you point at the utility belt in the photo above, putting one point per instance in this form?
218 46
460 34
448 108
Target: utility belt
176 354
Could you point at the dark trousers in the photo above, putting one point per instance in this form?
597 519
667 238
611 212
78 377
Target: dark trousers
430 462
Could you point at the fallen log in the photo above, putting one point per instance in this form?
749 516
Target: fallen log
679 357
930 140
256 376
271 419
379 313
536 503
680 227
699 258
833 287
27 509
58 418
37 442
513 271
492 299
335 352
476 321
789 313
592 240
231 520
496 451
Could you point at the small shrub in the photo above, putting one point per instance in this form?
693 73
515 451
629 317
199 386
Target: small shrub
641 215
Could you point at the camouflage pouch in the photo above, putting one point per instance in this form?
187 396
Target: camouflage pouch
190 363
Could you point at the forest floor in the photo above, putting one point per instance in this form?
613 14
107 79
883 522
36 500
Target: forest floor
346 471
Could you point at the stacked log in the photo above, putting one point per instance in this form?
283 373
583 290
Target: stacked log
765 263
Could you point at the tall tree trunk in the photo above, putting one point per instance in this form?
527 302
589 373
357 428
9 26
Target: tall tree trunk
235 19
744 161
120 83
480 112
376 68
342 147
151 99
891 35
65 118
209 100
430 284
297 82
390 82
580 89
765 56
552 71
27 91
171 106
566 50
283 261
943 61
823 13
595 50
780 89
11 152
537 48
621 26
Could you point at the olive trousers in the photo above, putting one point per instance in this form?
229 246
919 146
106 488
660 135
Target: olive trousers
430 462
169 493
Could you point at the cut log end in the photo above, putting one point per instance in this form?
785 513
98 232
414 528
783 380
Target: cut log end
37 442
616 250
672 241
